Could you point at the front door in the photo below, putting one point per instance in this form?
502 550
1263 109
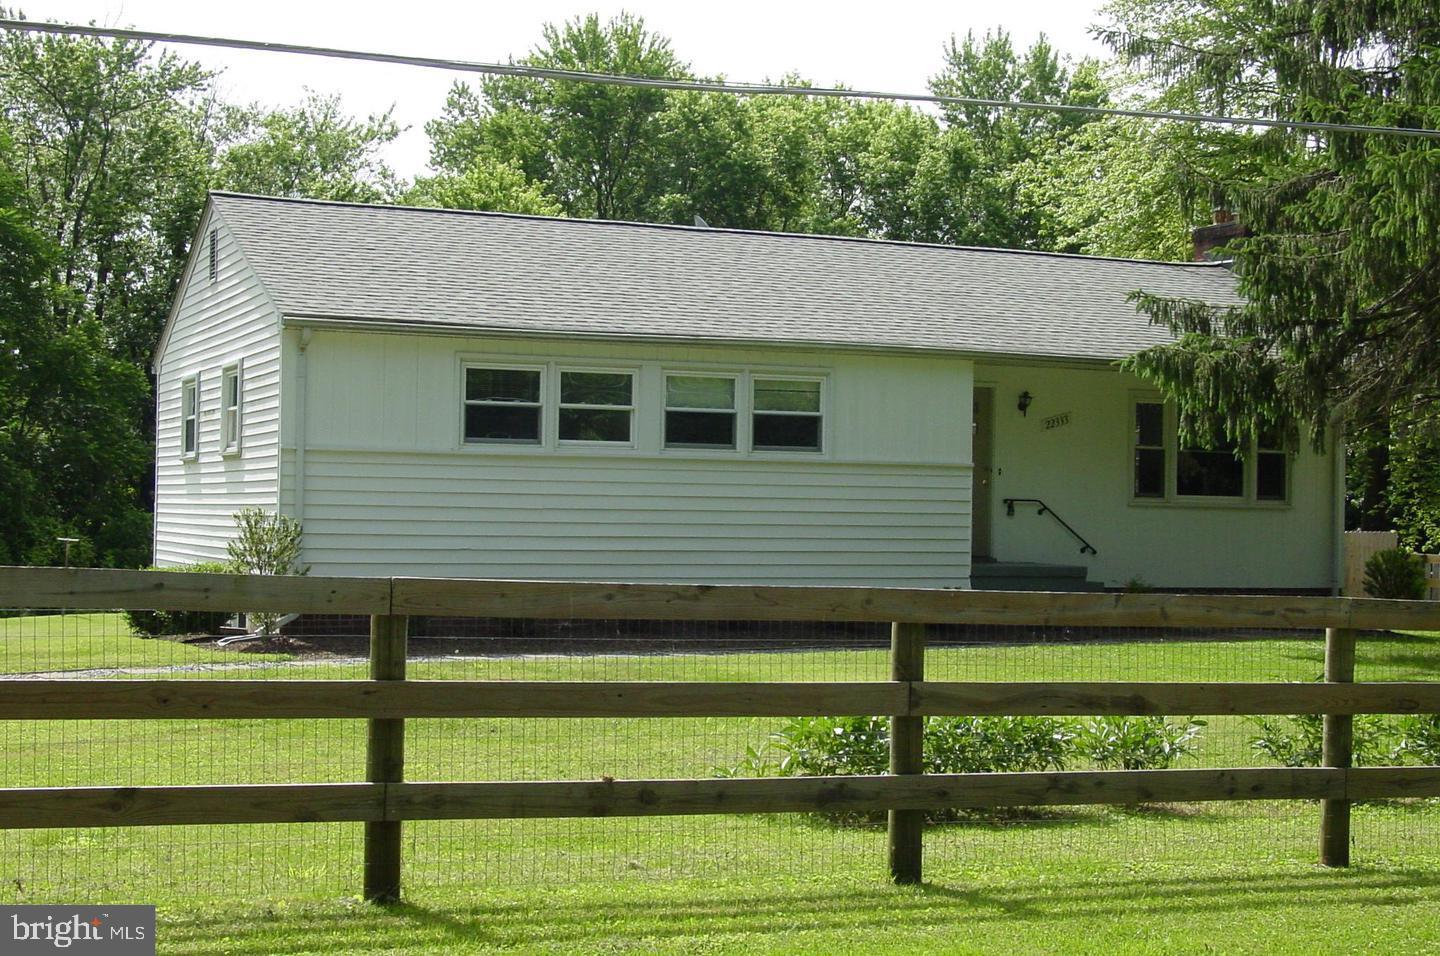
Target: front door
982 445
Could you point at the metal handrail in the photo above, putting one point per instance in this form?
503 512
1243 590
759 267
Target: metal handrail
1085 546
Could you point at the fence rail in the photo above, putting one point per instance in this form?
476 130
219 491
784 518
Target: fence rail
385 800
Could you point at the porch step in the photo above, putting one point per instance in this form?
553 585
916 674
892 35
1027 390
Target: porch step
1027 576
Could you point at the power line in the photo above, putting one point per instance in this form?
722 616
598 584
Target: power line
704 86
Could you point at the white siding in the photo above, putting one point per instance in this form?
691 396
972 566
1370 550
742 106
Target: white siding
1084 470
390 488
219 323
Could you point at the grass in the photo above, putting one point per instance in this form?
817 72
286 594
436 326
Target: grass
1222 877
44 643
1018 909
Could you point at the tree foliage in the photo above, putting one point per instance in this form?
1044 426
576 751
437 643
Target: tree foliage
312 151
1341 276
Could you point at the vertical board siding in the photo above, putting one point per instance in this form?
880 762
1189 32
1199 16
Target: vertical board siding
637 519
221 323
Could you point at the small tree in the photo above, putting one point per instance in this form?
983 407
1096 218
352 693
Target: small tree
265 543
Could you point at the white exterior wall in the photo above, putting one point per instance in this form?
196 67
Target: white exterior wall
390 488
230 320
1084 470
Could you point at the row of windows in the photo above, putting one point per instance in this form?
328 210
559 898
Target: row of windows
507 405
230 413
1214 471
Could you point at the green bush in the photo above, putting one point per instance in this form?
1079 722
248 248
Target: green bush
155 623
1137 743
1297 741
265 543
832 746
997 744
1419 739
1395 574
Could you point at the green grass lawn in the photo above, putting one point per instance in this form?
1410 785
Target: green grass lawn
1236 877
69 642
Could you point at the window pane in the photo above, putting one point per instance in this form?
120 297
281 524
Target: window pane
187 401
1149 473
232 390
499 423
1270 476
189 434
1210 473
779 395
710 429
594 388
592 424
788 431
502 385
1149 424
695 391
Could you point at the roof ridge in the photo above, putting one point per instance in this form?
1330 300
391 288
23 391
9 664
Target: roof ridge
761 233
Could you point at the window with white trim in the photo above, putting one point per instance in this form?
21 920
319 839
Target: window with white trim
1272 466
503 405
230 402
596 406
1214 471
189 417
699 411
1149 450
785 414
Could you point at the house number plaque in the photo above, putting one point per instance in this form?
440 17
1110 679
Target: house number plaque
1056 421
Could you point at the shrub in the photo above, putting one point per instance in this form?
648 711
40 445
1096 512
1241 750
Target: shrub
1297 741
997 744
155 623
265 543
1419 739
1137 743
1395 574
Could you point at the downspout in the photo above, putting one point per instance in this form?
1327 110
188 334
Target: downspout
301 394
1337 511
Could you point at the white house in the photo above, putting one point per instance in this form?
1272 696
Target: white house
471 394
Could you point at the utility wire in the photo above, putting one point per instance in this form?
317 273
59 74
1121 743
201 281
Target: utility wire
706 86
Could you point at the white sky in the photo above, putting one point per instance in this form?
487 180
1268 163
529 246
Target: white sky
892 46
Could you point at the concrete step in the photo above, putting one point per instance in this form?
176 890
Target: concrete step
1030 576
1025 569
1034 584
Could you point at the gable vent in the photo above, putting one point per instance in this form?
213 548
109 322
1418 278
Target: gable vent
214 254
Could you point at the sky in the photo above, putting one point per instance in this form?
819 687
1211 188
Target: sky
893 46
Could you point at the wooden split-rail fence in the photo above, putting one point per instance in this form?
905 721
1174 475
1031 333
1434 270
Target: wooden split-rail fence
385 800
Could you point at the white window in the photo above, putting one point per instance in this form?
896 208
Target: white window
1149 450
189 417
596 406
1212 471
1272 466
699 411
786 414
230 417
502 405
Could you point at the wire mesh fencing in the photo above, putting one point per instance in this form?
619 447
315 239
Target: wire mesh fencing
324 859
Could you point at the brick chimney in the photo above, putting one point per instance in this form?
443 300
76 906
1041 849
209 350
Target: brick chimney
1208 238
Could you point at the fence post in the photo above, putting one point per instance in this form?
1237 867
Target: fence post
385 760
1337 748
907 753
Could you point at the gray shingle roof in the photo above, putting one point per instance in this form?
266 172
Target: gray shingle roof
495 272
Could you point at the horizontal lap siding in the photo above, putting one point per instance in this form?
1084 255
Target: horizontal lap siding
638 519
218 324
